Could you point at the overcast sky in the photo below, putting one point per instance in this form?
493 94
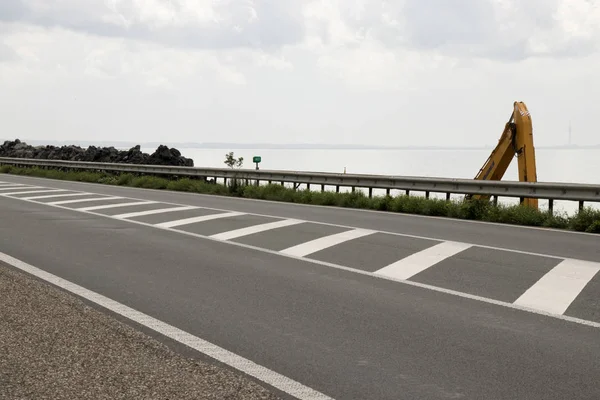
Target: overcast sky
396 72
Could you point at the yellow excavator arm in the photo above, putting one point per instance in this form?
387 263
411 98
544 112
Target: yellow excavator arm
517 139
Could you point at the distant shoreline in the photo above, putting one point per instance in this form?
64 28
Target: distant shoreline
277 146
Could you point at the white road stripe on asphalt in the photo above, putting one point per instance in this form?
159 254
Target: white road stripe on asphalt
104 206
322 243
255 229
17 187
281 382
556 290
152 212
49 196
56 203
2 184
420 261
34 191
193 220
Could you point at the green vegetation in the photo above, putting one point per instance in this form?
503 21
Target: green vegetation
587 220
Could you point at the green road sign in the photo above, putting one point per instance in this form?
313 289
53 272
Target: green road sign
256 159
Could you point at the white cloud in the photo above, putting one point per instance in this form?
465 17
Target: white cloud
316 71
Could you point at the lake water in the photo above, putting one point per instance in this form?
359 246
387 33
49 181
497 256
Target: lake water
576 166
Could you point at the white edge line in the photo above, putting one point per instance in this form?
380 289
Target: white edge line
362 210
354 270
343 226
240 363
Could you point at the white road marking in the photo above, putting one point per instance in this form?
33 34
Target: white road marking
556 290
56 203
362 211
304 249
227 357
420 261
14 187
192 220
53 195
2 184
104 206
152 212
34 191
438 289
255 229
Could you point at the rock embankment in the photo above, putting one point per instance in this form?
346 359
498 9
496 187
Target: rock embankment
162 156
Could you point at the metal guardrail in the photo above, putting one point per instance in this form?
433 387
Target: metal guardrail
541 190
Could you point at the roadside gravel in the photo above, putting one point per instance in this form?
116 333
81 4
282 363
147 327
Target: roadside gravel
53 346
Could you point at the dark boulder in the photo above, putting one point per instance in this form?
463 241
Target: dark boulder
162 156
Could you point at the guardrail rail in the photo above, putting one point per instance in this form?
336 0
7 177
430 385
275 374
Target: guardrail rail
550 191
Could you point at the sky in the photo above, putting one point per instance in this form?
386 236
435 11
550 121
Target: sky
401 72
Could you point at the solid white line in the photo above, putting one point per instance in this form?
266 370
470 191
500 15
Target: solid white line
255 229
240 363
192 220
34 191
557 289
56 203
420 261
53 195
104 206
20 187
362 272
152 212
304 249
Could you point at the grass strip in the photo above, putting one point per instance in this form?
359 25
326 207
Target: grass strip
586 220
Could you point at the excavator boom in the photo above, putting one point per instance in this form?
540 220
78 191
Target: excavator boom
516 139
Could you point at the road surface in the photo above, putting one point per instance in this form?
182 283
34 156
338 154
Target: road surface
352 304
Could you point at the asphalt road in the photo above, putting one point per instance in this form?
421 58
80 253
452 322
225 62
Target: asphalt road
346 334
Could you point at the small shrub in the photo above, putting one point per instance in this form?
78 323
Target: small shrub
150 182
584 219
594 227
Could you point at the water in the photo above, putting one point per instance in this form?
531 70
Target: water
573 166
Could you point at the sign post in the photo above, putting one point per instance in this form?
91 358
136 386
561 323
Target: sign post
256 160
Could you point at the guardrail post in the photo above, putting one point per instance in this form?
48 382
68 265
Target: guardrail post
407 192
427 194
448 196
282 183
370 192
580 205
337 188
322 188
308 186
387 191
551 206
352 189
270 181
496 200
